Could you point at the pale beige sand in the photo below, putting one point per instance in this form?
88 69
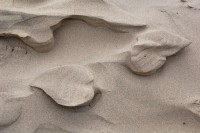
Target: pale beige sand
73 83
194 4
165 101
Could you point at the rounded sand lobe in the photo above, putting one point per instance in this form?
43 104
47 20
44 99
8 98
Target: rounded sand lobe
69 86
152 49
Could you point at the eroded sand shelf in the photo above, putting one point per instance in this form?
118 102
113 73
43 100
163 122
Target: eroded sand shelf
35 27
99 66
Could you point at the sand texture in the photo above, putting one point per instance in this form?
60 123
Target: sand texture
11 108
194 4
99 66
151 50
49 128
35 27
69 86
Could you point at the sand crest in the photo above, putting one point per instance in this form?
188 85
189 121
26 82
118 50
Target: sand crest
36 29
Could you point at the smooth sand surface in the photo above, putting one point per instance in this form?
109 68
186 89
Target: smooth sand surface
100 75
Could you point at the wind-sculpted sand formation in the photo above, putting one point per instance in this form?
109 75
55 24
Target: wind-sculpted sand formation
194 107
10 108
35 28
83 77
72 86
69 86
194 4
152 49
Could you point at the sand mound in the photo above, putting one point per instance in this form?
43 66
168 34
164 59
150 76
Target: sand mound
33 30
151 50
69 86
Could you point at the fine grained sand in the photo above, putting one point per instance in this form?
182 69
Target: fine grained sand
94 79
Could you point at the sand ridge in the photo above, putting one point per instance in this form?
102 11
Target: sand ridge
36 29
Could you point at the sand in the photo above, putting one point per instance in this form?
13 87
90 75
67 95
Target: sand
99 66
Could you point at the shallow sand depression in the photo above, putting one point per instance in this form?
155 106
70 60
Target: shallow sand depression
99 66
